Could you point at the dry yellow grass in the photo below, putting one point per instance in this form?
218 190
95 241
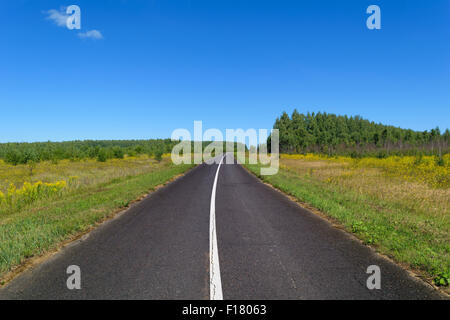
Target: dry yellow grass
372 181
86 171
423 169
19 185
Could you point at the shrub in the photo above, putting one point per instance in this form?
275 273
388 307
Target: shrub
440 161
139 149
118 153
442 279
158 155
13 157
102 155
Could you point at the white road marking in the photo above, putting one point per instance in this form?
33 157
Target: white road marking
215 283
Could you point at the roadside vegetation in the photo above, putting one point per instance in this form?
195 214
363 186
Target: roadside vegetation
400 205
55 201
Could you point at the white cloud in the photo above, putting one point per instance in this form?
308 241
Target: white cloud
58 17
93 34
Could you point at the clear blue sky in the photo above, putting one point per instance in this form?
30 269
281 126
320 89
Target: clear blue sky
232 64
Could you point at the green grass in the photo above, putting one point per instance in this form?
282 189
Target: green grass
412 238
39 228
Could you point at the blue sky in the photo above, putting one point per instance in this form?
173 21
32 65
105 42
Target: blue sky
160 65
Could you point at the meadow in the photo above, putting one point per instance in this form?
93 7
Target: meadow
400 204
22 184
47 203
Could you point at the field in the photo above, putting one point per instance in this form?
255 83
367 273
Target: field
18 187
399 205
47 203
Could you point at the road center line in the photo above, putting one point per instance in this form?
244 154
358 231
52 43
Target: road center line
215 283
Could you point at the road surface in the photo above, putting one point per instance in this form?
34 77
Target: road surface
212 234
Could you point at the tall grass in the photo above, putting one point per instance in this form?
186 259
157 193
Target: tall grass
50 180
432 170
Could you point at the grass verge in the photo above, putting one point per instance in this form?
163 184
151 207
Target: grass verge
40 228
414 238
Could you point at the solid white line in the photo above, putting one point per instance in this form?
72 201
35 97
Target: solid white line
215 283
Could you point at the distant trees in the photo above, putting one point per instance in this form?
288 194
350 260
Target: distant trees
102 150
354 136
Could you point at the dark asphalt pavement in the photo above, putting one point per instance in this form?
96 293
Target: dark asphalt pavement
269 248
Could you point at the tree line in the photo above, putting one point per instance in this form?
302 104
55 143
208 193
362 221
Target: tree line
27 153
354 136
22 153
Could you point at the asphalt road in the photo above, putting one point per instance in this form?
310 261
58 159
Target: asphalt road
267 247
